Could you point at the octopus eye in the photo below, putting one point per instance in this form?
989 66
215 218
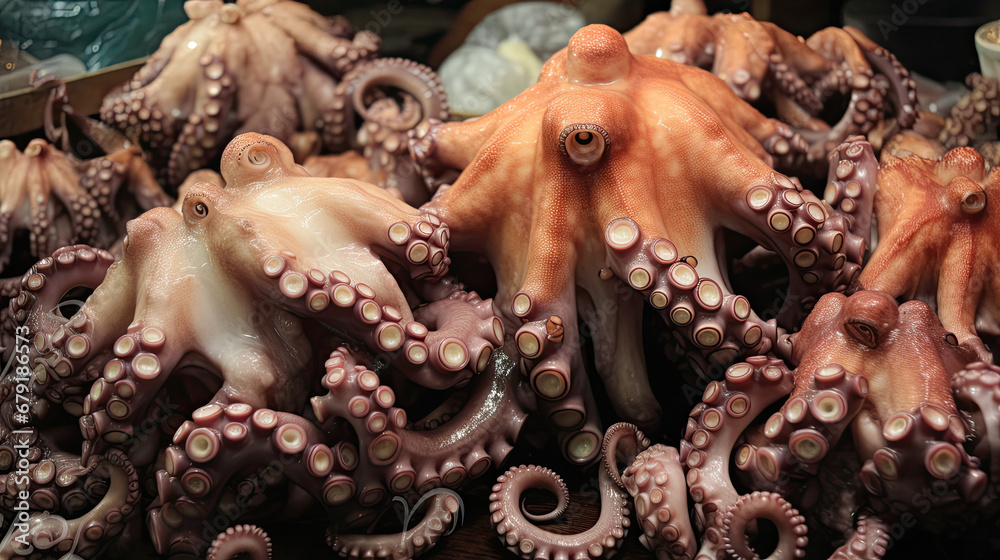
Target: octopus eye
973 202
259 158
951 339
196 207
584 143
862 332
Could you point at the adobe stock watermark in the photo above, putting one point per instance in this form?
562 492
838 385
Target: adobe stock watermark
901 13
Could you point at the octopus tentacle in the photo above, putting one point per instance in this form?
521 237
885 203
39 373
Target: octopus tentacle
901 85
55 352
978 385
466 329
440 517
869 540
118 401
921 447
425 459
791 526
727 408
222 441
851 75
974 114
549 350
384 135
247 541
530 541
422 144
745 60
716 322
622 367
657 484
90 531
850 187
196 140
809 424
337 54
356 89
818 247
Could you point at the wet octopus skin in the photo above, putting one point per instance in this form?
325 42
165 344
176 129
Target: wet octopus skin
351 481
759 59
878 375
936 225
255 65
228 252
908 416
62 199
275 66
578 226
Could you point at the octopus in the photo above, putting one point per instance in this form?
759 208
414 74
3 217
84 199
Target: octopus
884 406
268 66
976 115
185 366
935 226
61 192
598 190
759 60
876 413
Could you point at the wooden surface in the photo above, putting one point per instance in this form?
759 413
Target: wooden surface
22 110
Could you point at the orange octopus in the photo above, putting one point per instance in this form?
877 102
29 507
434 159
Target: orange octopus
617 174
937 233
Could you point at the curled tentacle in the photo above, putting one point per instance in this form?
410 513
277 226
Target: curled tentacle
356 93
902 88
241 541
88 533
515 527
520 536
384 135
791 526
440 518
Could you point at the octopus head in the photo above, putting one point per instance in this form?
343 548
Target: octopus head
597 54
869 319
255 158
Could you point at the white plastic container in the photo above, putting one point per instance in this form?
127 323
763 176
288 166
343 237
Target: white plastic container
988 46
